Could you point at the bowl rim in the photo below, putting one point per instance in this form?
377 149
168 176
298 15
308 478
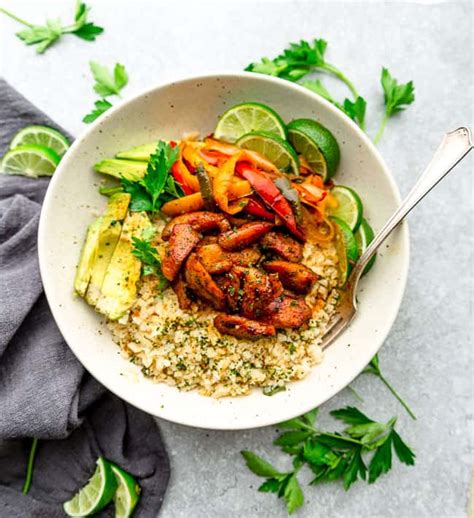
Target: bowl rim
42 231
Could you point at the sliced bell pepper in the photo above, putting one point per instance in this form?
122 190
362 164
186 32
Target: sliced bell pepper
190 203
257 209
271 195
221 185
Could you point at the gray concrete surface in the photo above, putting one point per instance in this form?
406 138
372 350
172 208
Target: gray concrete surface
428 354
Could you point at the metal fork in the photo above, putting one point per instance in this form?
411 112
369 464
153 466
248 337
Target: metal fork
453 148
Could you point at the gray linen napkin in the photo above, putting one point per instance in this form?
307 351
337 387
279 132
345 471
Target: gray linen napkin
44 391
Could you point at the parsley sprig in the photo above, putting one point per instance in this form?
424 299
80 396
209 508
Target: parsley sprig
43 36
396 98
148 255
303 58
374 368
157 186
362 451
107 83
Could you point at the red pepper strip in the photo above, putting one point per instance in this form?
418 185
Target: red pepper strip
175 171
257 209
271 195
212 157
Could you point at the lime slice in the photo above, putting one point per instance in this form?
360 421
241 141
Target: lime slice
275 149
364 237
349 207
42 135
30 160
247 117
317 144
347 250
96 494
127 494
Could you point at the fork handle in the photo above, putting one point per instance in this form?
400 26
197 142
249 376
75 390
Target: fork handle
453 148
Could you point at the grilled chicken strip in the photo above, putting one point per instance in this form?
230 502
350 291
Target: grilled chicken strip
288 312
244 235
230 284
179 287
293 276
243 327
258 292
284 246
202 284
214 259
182 242
201 221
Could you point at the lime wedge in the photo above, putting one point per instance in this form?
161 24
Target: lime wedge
275 149
96 494
347 250
349 207
30 160
247 117
364 237
317 144
127 494
43 136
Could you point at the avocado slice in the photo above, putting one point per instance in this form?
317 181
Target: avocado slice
118 168
109 234
88 252
139 153
119 289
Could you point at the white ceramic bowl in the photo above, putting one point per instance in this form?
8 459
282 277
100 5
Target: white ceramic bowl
169 111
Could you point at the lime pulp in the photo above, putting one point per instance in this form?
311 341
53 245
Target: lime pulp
246 118
275 149
43 136
347 249
127 495
364 236
349 206
30 160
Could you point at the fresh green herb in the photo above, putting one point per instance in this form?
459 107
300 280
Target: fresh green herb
303 58
362 451
273 389
374 368
101 106
43 36
108 82
396 98
148 255
157 186
29 467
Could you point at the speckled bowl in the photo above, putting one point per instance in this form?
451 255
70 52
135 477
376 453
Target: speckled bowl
168 111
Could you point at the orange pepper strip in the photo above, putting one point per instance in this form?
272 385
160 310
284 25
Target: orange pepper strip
212 144
239 188
178 206
194 158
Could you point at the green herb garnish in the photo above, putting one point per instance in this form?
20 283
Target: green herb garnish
43 36
149 257
363 451
396 98
101 106
157 186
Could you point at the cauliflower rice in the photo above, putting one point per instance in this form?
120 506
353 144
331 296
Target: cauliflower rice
183 348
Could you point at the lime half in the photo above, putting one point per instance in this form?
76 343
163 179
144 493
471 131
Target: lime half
349 206
275 149
30 160
127 494
246 118
364 237
317 144
347 249
42 135
96 494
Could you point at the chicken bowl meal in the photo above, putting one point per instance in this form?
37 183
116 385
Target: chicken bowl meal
219 259
196 240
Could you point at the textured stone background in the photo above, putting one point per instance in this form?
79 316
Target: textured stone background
428 354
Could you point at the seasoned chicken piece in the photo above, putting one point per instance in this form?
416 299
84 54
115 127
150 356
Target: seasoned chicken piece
246 257
201 221
288 312
230 284
214 259
243 327
179 287
284 246
202 284
293 276
259 290
244 235
182 242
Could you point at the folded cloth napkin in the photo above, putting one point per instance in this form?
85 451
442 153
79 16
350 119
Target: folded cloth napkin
44 391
